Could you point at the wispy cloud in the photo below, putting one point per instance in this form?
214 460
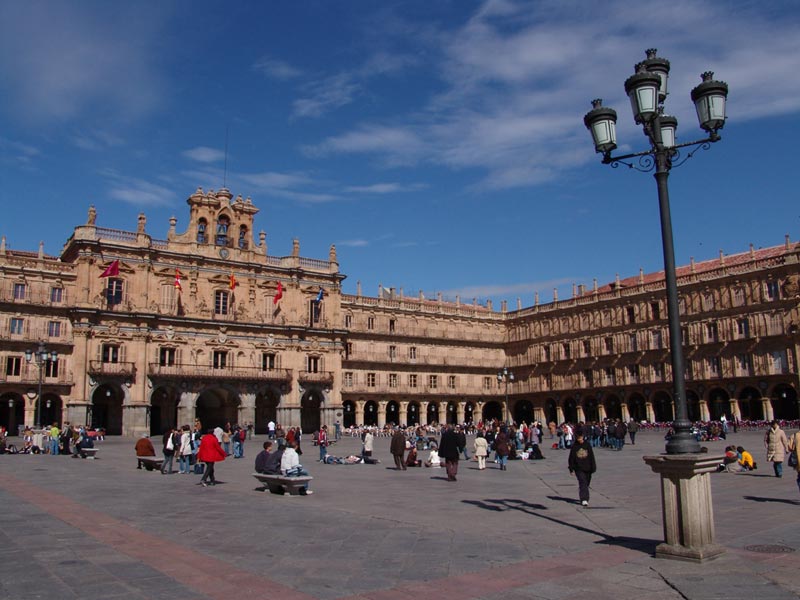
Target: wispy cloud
526 290
17 153
385 188
97 139
353 243
204 154
276 69
59 60
137 192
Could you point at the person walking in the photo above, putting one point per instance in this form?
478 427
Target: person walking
398 449
210 453
794 448
185 451
169 447
776 444
448 450
368 443
633 427
322 440
481 450
581 462
501 448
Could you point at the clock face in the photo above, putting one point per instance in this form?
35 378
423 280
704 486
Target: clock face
224 253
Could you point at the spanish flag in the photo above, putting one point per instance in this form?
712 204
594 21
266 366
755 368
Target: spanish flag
278 294
178 280
233 283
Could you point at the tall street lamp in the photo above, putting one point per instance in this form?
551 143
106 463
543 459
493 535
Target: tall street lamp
42 356
685 483
647 90
505 376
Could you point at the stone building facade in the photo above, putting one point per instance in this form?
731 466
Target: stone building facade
207 324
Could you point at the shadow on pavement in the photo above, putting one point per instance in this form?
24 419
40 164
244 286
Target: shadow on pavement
779 500
498 505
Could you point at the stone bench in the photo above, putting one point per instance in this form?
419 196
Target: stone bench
88 452
280 484
150 462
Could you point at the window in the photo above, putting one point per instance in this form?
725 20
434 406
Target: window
56 295
708 301
412 381
433 381
243 237
609 345
451 382
631 314
16 326
773 290
348 349
658 340
348 379
412 353
633 372
222 231
201 231
221 302
166 357
779 362
658 371
313 364
371 323
54 329
712 332
655 310
348 321
168 293
745 363
587 348
715 366
738 296
110 353
587 377
371 379
487 383
51 368
391 325
547 353
314 312
13 366
392 352
114 288
743 327
268 361
611 378
220 359
392 380
567 351
548 381
19 291
633 342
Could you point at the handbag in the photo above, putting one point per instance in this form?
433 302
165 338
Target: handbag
793 459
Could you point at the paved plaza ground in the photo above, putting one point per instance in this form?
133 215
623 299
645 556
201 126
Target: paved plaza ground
100 529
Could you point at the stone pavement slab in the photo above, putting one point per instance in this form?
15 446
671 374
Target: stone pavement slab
102 529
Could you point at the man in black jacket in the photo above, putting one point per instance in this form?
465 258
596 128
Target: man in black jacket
263 458
581 462
448 450
272 466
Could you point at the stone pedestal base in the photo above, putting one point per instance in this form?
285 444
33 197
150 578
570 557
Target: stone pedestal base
686 506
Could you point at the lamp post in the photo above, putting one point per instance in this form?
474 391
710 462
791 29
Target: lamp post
686 505
42 356
647 90
505 376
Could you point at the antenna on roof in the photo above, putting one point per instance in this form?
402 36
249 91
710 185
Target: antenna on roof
225 170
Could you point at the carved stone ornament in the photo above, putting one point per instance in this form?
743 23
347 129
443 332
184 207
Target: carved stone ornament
222 337
791 287
271 339
170 332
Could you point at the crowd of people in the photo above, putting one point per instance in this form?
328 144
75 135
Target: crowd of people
67 440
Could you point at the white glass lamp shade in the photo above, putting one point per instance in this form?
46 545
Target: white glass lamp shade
709 100
601 121
660 67
642 89
669 126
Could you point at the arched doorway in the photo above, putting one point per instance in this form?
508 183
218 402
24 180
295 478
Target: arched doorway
719 404
412 414
590 410
784 402
349 416
551 411
692 406
310 404
469 413
106 409
570 410
12 412
662 408
217 407
452 413
371 413
492 411
523 411
392 413
636 408
433 413
613 407
267 402
52 409
163 410
750 406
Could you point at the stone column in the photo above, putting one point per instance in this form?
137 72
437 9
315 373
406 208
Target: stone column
423 413
186 408
538 415
581 416
402 417
360 407
247 408
626 414
703 410
601 411
382 413
560 415
460 412
442 413
766 403
686 506
649 413
735 412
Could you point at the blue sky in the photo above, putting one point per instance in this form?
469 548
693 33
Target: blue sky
439 144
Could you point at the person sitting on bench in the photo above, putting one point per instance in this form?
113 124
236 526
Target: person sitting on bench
290 465
263 458
272 465
144 447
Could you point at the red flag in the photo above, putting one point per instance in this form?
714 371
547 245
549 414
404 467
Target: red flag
233 283
178 280
278 294
112 270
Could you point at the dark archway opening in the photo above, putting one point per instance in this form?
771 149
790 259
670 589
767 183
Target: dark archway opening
590 410
412 414
432 413
523 412
371 413
719 404
266 409
751 408
310 420
216 407
163 410
106 409
392 413
492 411
784 403
12 412
662 408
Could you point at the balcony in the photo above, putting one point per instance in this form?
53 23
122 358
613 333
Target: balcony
117 369
316 377
31 377
189 371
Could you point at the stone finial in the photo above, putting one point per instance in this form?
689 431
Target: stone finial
239 199
519 303
489 304
574 290
504 306
752 252
3 246
555 294
332 254
142 221
92 215
594 285
421 296
536 299
458 300
401 293
295 247
439 296
262 240
641 276
380 290
786 242
172 223
721 258
41 250
358 288
691 264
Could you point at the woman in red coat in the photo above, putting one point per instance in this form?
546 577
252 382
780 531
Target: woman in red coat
210 452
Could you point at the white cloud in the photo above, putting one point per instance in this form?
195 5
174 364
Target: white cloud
276 69
138 192
385 188
524 290
353 243
96 140
204 154
17 153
